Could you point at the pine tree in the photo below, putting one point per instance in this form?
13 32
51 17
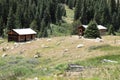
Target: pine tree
45 24
43 30
112 6
71 4
92 30
34 25
1 26
53 8
18 18
111 30
75 26
83 16
10 20
59 13
77 10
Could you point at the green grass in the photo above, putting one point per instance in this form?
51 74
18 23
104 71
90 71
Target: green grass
47 66
13 67
17 66
104 47
61 30
98 61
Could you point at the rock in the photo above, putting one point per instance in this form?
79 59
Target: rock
36 78
12 48
66 50
4 49
4 55
16 45
43 46
28 42
22 51
111 61
80 46
98 40
58 43
49 40
75 67
37 55
7 47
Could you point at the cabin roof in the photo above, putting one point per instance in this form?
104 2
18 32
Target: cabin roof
25 31
99 26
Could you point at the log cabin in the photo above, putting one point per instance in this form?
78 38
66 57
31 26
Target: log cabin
82 28
21 35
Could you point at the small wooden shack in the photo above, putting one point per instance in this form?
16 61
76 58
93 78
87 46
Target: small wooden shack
82 28
21 35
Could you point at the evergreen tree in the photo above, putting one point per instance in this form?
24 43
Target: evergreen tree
53 8
34 25
43 29
83 16
77 10
111 30
1 27
75 26
115 21
71 4
92 30
18 18
112 6
45 24
10 20
59 13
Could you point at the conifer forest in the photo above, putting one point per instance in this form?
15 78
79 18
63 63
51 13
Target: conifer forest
39 14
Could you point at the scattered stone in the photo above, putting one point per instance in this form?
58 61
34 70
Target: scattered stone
80 46
49 40
28 42
3 49
98 40
111 61
58 43
75 67
37 39
37 55
66 50
22 51
16 45
12 48
36 78
4 55
7 48
43 46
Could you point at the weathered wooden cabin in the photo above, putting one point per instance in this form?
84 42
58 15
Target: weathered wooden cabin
21 35
82 28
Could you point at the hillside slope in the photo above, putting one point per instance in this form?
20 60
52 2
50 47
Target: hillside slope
55 54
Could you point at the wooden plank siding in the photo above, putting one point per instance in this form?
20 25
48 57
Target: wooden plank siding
13 36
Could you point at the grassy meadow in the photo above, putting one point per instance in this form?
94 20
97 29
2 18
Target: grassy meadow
55 55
